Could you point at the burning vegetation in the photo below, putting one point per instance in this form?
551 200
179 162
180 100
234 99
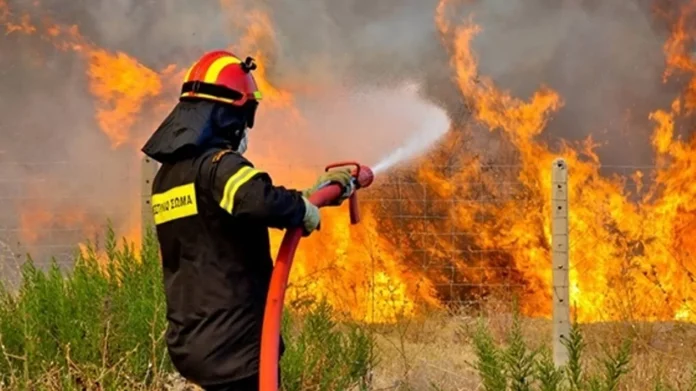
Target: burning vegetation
468 221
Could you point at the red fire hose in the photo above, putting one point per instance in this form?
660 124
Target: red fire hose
270 337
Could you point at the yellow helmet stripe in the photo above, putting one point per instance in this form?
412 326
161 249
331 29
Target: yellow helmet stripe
206 96
187 78
217 66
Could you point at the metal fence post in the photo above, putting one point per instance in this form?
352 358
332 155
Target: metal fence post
148 169
559 254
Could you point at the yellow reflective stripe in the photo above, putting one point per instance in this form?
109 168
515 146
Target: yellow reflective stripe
233 184
188 73
217 66
206 96
257 95
175 204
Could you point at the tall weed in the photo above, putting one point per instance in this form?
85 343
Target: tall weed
513 366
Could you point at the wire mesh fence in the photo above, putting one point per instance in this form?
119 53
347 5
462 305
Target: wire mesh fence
425 237
437 234
433 237
50 208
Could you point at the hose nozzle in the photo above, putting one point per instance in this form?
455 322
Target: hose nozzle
363 177
363 174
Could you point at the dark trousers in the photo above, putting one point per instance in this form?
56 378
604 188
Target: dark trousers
247 384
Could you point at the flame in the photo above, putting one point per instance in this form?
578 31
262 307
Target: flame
627 259
631 251
357 271
121 84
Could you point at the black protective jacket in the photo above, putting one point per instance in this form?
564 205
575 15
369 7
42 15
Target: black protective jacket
212 212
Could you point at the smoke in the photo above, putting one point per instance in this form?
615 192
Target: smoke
604 58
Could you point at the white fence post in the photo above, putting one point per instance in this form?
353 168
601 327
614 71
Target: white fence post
559 254
148 169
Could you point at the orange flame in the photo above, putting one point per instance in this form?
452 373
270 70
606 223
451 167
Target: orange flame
631 252
122 85
627 260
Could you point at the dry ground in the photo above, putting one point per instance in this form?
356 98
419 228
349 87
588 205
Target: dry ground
417 354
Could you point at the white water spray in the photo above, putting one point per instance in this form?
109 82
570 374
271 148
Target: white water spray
435 124
379 125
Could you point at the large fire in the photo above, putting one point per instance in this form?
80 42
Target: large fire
630 257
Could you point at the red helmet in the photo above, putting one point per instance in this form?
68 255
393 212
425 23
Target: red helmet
221 76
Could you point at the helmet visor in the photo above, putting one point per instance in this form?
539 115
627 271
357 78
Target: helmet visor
250 112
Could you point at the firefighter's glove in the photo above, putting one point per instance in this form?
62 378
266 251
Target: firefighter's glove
312 219
341 176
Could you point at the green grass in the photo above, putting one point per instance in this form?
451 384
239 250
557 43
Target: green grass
82 330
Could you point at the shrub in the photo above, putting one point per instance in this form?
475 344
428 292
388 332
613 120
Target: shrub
514 366
100 324
323 355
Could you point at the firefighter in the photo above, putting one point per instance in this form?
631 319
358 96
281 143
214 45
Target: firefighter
212 210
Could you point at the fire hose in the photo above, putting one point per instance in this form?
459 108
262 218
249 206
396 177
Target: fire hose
326 195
